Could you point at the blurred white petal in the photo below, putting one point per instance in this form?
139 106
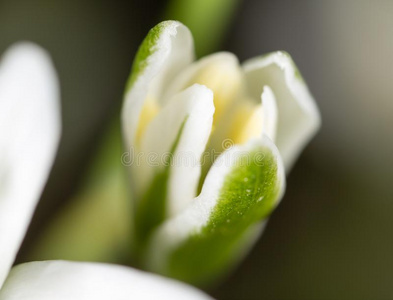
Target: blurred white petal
29 135
60 280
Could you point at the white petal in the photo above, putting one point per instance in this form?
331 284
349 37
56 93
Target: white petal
166 50
269 113
298 115
221 70
193 108
221 73
61 280
29 134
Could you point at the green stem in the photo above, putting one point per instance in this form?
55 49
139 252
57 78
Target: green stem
208 20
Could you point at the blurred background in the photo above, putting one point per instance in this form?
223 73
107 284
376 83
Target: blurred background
331 237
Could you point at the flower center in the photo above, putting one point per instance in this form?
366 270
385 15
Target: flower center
237 117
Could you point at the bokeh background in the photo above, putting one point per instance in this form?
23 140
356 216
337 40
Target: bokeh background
332 236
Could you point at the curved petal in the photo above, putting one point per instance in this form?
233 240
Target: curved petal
243 187
166 50
220 72
269 105
188 117
298 115
29 135
61 280
171 151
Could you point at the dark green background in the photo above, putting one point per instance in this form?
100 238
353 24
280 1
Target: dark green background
331 237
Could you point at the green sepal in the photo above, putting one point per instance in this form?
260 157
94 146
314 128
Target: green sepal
146 49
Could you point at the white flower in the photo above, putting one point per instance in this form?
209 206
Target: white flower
29 135
196 215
